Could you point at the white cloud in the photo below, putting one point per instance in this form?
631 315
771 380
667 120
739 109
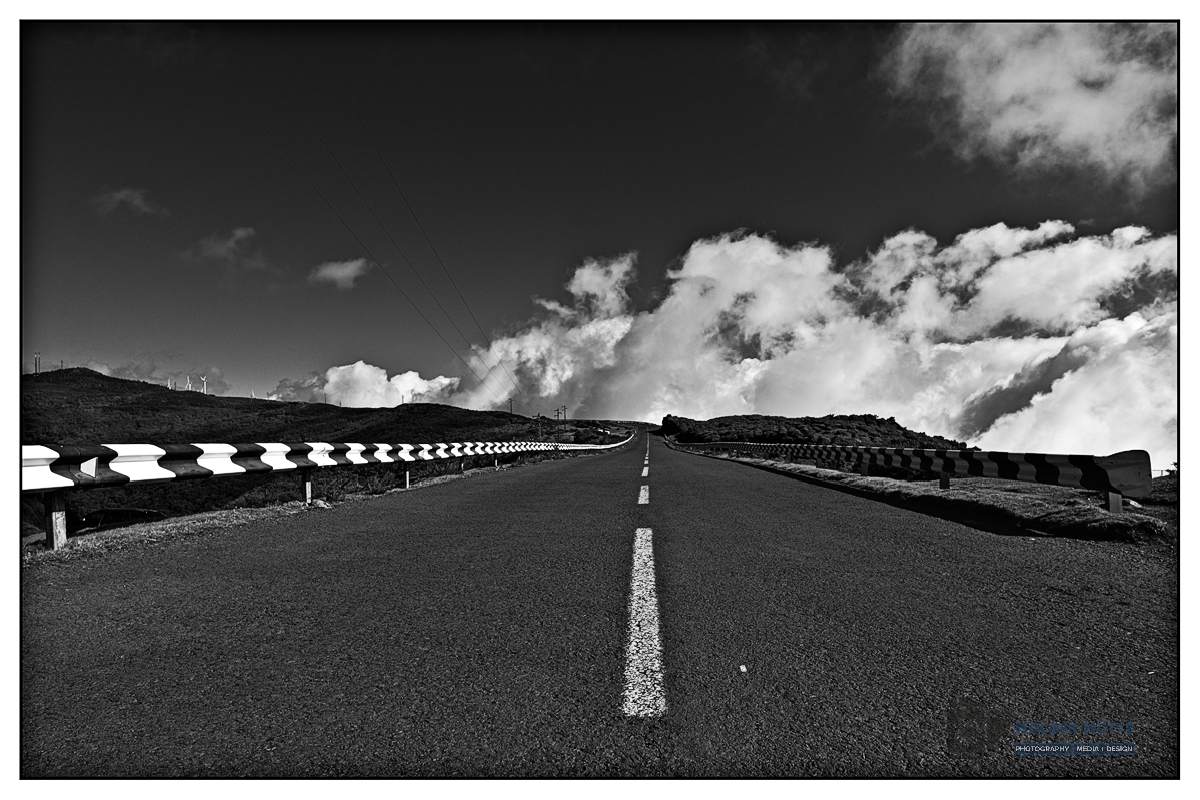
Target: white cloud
1039 95
1060 288
136 201
1005 337
1122 397
943 338
341 274
602 286
565 350
362 385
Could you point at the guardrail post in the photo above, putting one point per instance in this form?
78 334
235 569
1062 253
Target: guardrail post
56 519
1114 502
944 480
306 485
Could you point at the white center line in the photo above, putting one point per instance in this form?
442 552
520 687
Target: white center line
644 692
644 496
645 471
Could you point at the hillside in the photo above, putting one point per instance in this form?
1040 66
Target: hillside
79 406
844 429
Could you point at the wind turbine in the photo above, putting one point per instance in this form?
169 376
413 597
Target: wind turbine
189 383
204 380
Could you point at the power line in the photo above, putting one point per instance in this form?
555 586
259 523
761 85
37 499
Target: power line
445 269
388 275
408 262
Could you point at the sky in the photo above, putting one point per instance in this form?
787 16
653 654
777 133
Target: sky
970 227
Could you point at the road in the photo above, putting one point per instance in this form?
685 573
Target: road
546 621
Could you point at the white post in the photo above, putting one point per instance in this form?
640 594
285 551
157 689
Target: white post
1114 502
56 519
406 483
306 485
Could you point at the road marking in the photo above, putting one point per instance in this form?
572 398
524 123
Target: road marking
644 496
645 471
644 692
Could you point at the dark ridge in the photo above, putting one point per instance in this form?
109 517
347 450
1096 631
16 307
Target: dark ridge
841 429
79 406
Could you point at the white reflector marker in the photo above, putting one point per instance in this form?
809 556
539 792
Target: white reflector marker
644 692
644 496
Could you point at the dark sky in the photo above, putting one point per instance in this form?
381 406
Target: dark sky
525 149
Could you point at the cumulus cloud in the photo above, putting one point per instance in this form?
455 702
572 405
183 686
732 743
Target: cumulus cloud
1121 396
341 274
362 385
1038 95
564 351
999 337
1023 339
135 201
365 386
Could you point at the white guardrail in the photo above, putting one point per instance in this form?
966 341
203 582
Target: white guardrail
56 469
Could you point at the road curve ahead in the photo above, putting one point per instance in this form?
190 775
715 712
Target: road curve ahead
642 612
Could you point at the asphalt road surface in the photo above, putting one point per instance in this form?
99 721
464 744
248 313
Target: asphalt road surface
560 619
